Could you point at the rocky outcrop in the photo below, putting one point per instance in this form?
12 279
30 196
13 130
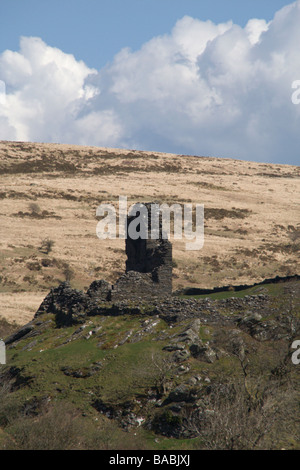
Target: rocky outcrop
19 334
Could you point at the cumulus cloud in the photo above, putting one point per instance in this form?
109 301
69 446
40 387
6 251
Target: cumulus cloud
205 89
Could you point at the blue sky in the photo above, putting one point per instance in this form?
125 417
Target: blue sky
95 30
184 76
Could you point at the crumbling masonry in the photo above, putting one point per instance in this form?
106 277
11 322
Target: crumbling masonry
149 262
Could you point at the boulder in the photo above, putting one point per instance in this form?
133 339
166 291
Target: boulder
203 352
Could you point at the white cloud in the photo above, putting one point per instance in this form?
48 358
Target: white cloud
254 29
44 87
206 89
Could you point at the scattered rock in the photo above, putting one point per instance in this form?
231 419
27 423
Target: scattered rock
203 352
174 347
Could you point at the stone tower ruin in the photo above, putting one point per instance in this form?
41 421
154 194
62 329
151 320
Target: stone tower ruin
149 260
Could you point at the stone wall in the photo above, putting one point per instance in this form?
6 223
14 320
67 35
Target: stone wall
135 286
100 290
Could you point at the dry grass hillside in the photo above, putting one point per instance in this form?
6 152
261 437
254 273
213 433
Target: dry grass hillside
49 194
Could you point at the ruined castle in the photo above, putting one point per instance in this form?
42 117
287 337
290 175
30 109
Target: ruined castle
147 278
148 266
